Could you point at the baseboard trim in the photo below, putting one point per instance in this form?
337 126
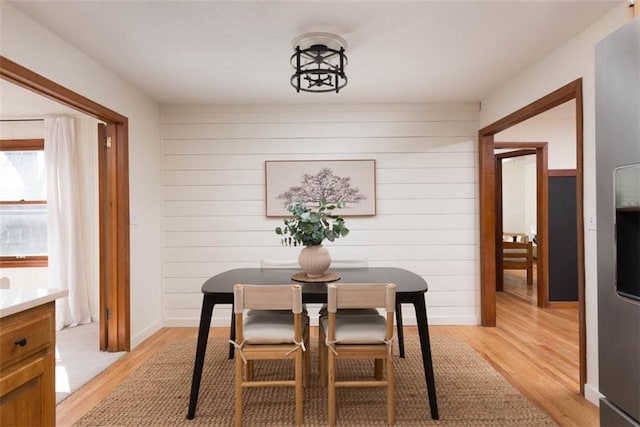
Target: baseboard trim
592 394
563 304
144 334
223 319
454 320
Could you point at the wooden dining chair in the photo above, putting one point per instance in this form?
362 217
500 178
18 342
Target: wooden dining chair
359 337
364 263
269 336
266 263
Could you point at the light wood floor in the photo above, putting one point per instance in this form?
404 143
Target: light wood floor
515 283
536 350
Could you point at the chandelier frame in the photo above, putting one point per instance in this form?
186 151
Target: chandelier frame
319 60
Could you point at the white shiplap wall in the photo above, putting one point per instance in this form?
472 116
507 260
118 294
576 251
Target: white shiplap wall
426 171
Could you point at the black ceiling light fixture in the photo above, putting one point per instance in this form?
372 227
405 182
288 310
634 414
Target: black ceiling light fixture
319 63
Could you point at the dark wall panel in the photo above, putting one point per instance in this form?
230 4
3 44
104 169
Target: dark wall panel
563 239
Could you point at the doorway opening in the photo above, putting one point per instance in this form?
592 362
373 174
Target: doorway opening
488 200
520 150
113 202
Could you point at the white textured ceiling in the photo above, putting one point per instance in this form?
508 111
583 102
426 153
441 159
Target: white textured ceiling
238 51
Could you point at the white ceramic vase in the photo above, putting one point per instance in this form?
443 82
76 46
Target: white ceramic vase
314 260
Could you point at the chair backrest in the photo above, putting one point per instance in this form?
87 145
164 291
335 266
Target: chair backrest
361 295
267 297
349 263
267 329
335 263
279 263
366 329
515 237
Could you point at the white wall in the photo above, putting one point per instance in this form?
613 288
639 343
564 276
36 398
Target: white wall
530 198
519 195
556 127
573 60
31 45
25 278
514 196
214 195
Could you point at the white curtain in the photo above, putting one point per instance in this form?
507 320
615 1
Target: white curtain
66 257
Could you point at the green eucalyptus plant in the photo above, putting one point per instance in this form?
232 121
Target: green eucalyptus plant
309 227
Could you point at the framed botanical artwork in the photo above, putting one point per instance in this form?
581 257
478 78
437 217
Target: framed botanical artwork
309 181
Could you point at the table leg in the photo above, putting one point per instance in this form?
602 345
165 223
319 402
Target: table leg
425 346
399 328
201 349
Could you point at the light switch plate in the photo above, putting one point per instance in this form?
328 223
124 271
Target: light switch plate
590 219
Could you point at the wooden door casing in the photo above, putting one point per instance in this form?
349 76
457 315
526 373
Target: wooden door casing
487 195
116 232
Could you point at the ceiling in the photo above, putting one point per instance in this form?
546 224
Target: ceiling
238 52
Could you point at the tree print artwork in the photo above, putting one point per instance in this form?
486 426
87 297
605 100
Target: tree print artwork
352 182
324 185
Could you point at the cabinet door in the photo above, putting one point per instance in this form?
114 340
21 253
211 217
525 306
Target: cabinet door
22 391
27 367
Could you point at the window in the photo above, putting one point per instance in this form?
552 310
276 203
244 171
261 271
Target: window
23 204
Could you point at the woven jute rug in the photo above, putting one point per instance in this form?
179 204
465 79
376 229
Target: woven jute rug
470 392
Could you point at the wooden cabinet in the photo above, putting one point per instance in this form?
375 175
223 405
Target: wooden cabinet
27 367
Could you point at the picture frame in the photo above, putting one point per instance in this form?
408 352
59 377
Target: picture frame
352 181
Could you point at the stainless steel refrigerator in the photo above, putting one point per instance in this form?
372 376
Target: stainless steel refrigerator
618 216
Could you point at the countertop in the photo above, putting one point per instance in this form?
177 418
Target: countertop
14 301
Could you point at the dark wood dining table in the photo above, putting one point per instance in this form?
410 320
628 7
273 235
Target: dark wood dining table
410 289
